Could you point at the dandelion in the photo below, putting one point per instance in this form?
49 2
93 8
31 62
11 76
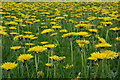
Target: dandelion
9 65
69 34
118 38
68 66
56 27
37 49
30 44
49 64
47 31
54 57
63 30
15 47
53 34
103 45
24 57
93 30
44 42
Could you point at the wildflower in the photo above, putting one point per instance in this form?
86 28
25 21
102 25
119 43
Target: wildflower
54 57
96 55
115 29
50 45
100 39
105 54
12 28
3 33
118 38
49 64
37 49
93 30
11 23
14 33
29 44
27 32
82 41
53 34
24 57
109 54
47 31
63 30
68 66
99 27
107 23
56 27
9 65
44 42
85 34
15 47
69 34
40 73
52 22
103 45
81 25
16 38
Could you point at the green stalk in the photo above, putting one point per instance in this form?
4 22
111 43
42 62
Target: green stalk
83 56
48 62
72 58
27 69
54 71
9 74
96 71
107 34
36 63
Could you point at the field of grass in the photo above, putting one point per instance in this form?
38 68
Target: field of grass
60 40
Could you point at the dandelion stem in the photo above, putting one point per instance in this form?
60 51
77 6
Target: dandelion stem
54 71
8 74
48 62
96 71
107 34
72 58
36 64
27 69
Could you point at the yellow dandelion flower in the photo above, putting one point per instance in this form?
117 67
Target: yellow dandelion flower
29 43
82 41
37 49
3 33
85 34
56 27
12 28
24 57
69 34
14 33
109 54
103 45
27 32
63 30
49 64
47 31
9 65
16 38
50 45
118 38
44 42
81 25
93 30
68 66
15 47
115 29
54 57
53 34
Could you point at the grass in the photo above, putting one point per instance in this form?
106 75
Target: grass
66 47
